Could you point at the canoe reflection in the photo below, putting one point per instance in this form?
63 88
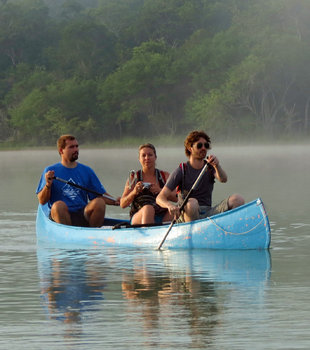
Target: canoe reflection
179 286
69 284
176 297
189 288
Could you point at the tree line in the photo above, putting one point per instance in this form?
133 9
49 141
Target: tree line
109 69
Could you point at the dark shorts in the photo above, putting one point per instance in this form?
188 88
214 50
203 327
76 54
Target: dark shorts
77 218
159 218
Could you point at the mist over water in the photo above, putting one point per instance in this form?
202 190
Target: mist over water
128 298
278 174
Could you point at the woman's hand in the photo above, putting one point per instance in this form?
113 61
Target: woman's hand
138 187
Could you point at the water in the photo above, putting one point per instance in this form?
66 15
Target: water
128 299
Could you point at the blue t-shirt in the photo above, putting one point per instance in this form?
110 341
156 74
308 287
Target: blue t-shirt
75 198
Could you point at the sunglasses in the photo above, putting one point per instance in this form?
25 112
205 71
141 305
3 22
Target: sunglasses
200 144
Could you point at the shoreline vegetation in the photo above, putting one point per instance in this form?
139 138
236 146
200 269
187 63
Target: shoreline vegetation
127 71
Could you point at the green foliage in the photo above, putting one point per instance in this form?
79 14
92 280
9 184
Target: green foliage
134 90
86 49
106 69
23 32
61 107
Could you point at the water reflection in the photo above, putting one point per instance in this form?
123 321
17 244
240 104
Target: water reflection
193 289
154 295
162 298
69 284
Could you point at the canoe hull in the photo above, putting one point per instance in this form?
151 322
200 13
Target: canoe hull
246 227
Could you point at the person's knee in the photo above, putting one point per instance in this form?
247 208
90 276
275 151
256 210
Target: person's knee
144 216
59 207
191 210
147 213
95 205
235 200
192 205
60 213
148 209
99 203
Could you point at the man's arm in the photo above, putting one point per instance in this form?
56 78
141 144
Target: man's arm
45 194
111 201
163 200
219 174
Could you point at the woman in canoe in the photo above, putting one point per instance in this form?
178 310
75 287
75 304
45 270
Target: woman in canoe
142 188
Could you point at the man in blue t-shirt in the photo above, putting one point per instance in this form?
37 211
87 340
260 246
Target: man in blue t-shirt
199 204
70 205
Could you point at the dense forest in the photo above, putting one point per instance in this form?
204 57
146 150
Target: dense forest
112 69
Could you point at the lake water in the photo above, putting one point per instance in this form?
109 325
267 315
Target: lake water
129 299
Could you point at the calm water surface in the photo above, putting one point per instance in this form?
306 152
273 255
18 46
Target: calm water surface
129 299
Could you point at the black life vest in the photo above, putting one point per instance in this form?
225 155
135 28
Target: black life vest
146 196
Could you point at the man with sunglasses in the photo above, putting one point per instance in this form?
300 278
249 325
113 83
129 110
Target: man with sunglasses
199 204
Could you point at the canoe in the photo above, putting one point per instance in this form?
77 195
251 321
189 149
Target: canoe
245 227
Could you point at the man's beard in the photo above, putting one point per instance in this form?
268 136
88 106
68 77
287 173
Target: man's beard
200 154
74 157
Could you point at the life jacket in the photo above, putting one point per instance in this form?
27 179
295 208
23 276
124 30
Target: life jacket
146 196
160 176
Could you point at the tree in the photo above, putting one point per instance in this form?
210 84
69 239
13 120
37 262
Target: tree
86 49
137 67
141 90
261 88
23 31
67 106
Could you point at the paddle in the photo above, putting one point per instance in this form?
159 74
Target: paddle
126 224
83 188
184 203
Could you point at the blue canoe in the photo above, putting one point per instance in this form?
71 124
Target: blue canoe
246 227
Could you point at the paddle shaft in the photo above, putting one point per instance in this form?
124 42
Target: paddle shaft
83 188
184 203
